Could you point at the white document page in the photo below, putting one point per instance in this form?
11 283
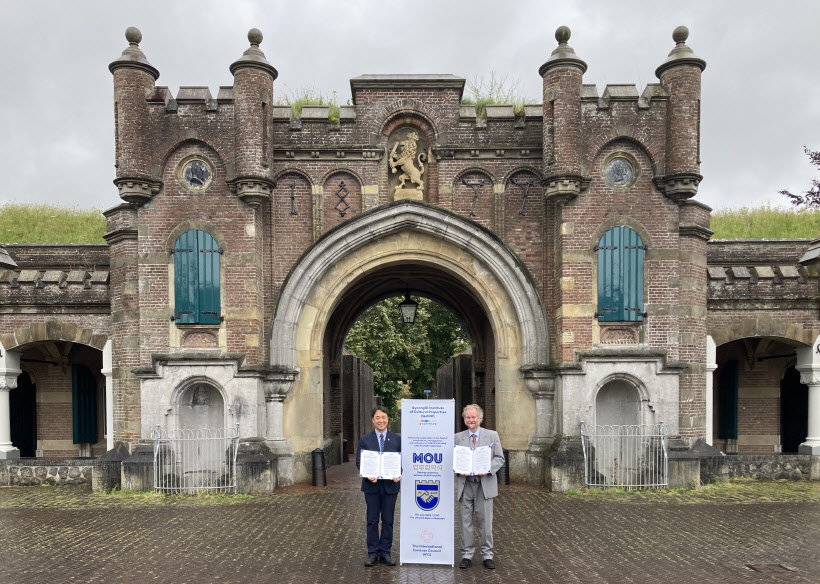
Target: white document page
369 464
472 461
481 459
462 460
391 465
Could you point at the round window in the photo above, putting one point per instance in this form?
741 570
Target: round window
196 174
619 171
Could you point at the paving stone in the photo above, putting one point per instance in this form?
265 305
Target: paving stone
305 534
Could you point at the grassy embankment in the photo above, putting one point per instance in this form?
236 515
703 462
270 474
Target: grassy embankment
738 490
50 224
53 224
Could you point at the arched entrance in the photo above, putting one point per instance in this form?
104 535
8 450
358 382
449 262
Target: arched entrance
441 255
759 404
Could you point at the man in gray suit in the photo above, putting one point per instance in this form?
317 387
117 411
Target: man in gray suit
476 493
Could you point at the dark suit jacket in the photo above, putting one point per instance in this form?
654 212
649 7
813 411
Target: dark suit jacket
370 441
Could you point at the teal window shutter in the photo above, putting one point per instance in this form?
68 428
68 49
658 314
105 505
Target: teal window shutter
620 275
632 274
208 288
185 278
196 279
84 405
727 400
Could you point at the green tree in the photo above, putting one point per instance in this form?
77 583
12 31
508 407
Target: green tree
401 353
811 198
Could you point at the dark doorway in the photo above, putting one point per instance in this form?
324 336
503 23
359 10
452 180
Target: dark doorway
23 406
727 400
794 411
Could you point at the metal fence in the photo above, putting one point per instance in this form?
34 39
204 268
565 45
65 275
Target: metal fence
195 461
631 457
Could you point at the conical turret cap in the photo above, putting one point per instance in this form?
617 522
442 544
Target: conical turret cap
132 57
254 58
563 53
681 54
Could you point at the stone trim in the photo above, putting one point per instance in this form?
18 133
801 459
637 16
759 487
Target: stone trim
409 215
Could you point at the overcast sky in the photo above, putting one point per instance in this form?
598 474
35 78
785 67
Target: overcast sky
761 86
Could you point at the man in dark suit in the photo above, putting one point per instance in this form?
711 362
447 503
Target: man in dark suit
476 493
379 494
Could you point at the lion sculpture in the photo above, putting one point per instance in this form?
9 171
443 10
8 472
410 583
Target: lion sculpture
406 161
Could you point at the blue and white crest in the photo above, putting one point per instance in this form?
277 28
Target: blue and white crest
427 494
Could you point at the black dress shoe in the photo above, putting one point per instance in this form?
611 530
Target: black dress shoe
465 563
489 564
371 561
388 559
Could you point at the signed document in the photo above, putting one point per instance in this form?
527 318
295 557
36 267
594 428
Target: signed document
385 465
472 461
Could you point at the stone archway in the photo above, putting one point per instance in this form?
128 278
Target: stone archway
420 234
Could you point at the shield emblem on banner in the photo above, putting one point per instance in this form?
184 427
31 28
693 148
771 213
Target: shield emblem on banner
427 494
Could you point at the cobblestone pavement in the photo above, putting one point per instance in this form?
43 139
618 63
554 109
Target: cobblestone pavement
306 535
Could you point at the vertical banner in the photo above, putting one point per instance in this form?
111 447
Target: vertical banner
427 526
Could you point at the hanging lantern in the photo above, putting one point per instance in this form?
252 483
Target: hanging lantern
408 309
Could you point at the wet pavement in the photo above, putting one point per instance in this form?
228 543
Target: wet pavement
306 534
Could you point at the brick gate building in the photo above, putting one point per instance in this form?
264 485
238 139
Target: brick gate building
565 236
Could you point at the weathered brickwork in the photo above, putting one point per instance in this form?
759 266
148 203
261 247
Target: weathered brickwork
541 182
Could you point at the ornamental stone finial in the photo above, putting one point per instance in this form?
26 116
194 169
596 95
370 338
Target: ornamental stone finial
682 54
255 36
133 35
562 34
132 57
563 55
253 57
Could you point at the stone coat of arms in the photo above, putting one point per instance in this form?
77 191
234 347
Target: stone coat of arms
405 161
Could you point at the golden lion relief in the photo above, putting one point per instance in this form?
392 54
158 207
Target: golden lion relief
406 161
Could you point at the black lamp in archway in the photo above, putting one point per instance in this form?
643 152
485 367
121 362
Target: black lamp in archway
408 309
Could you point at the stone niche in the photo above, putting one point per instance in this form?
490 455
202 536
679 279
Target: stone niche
407 163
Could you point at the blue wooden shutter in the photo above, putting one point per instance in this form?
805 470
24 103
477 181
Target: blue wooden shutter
632 258
185 278
620 275
727 400
208 268
84 405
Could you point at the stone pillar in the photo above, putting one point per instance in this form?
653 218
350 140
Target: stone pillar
9 370
540 383
711 366
808 364
107 371
278 385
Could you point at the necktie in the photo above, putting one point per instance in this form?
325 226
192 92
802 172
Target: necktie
381 442
474 439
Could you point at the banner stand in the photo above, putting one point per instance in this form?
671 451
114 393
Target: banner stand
427 523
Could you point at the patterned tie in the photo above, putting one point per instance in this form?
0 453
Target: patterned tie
381 442
474 440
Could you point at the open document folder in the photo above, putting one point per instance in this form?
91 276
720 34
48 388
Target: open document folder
379 465
472 461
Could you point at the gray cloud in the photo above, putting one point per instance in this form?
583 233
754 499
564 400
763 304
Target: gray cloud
760 86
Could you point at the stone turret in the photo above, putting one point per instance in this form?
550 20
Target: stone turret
253 95
680 76
563 77
134 79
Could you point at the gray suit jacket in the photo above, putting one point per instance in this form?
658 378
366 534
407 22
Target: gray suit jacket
489 483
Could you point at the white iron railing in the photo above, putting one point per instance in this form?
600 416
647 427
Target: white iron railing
631 457
195 461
